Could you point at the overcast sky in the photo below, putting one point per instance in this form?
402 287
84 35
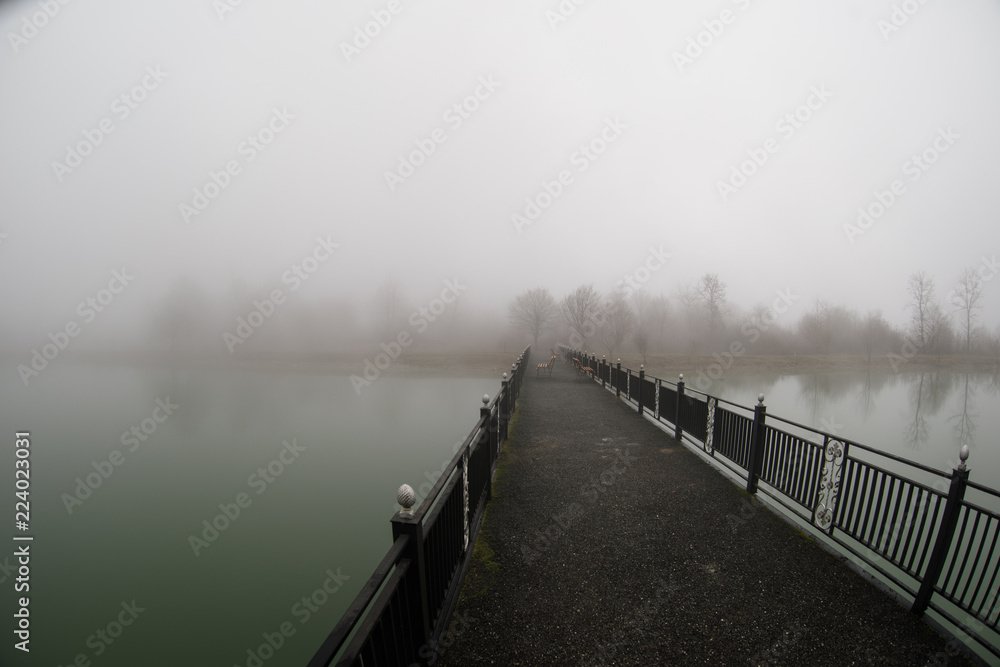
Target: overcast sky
671 119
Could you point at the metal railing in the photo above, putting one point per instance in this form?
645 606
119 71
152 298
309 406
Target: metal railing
937 546
419 579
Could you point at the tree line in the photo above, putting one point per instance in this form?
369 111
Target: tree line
697 318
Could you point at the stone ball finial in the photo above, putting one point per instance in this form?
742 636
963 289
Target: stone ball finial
680 377
642 367
964 455
486 399
760 399
504 376
406 498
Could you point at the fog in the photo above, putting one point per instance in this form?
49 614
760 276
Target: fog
181 162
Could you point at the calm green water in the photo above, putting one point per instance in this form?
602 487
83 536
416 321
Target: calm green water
325 508
923 417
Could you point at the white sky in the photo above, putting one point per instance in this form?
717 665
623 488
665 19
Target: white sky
656 184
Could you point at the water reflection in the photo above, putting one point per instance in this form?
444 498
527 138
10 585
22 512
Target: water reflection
740 385
817 391
244 404
915 433
193 396
927 395
921 415
964 424
872 385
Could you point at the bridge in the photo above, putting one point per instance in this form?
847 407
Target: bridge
607 517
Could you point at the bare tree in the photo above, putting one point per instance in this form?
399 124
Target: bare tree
921 289
659 313
619 321
534 311
873 328
938 330
966 298
641 341
389 300
815 326
712 294
642 305
687 296
581 309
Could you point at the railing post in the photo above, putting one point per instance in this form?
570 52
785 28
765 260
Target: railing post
404 523
484 413
656 399
828 489
678 433
466 512
515 387
504 406
618 378
756 444
602 371
642 375
628 383
710 405
952 509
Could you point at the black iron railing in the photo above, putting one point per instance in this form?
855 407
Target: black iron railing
418 580
937 546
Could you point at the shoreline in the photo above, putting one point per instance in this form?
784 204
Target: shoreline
663 366
669 366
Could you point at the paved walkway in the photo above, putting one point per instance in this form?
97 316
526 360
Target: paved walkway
613 544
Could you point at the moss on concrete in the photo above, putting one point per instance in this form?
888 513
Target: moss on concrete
484 571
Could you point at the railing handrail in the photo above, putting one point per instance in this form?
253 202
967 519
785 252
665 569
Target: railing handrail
392 582
838 489
984 489
331 645
728 402
421 511
867 448
409 549
853 443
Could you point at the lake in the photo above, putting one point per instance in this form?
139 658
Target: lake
317 467
922 416
125 570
